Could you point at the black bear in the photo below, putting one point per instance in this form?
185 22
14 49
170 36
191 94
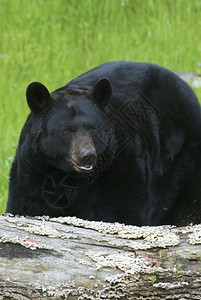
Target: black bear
120 143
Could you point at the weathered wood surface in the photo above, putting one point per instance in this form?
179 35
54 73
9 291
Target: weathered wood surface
68 258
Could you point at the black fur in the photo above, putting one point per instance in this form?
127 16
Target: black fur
139 125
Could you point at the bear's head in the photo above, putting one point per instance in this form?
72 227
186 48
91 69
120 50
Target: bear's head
69 129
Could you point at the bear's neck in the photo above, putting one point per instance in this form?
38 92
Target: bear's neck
32 165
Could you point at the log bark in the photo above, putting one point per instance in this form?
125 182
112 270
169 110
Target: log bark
69 258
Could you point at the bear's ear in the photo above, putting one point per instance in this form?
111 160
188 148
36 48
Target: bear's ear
38 97
102 92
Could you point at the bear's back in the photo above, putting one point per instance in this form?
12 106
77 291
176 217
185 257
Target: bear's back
129 77
161 87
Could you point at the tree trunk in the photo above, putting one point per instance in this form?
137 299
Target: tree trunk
69 258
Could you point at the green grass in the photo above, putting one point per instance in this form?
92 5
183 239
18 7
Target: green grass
53 41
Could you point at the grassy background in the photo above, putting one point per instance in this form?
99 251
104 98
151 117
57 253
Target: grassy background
53 41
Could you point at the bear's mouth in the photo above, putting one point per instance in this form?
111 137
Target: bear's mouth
85 167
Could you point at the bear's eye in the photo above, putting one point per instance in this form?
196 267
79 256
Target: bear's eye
92 130
67 132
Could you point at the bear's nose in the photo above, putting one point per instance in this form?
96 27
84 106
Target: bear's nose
89 156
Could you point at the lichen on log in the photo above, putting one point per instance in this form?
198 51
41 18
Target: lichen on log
70 258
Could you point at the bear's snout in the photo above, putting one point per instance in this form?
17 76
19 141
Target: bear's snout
88 157
83 153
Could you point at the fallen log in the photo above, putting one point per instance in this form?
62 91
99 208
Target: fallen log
69 258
